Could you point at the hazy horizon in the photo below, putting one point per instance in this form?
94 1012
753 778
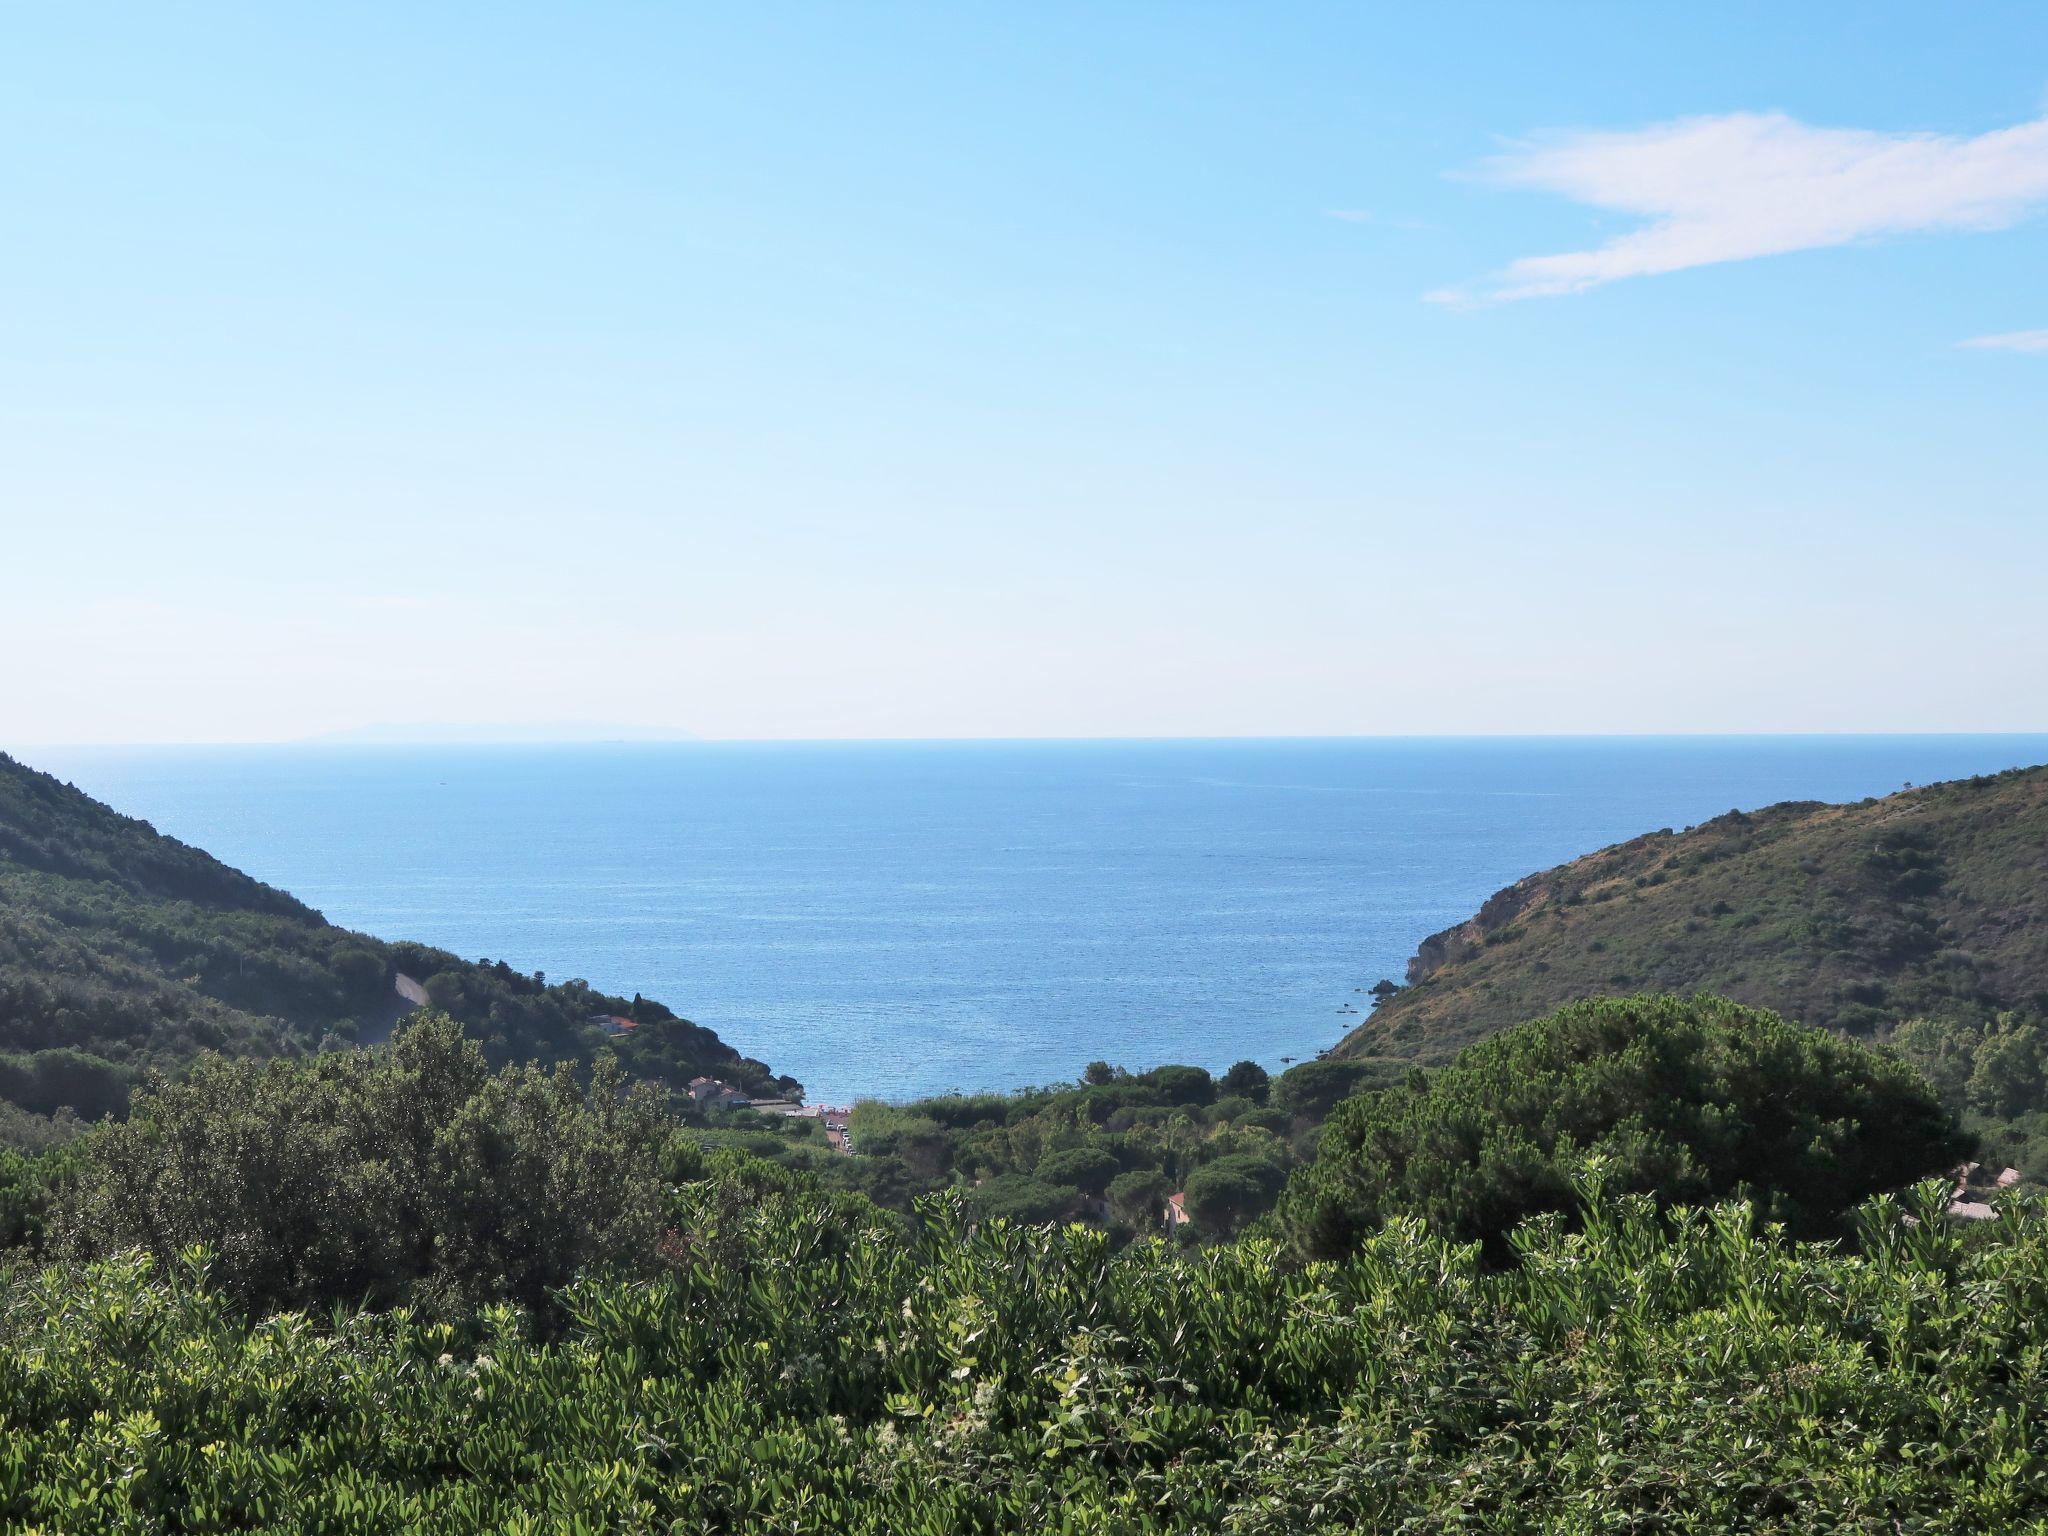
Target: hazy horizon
374 737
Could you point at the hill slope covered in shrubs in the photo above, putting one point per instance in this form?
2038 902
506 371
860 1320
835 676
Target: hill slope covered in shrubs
122 950
1929 903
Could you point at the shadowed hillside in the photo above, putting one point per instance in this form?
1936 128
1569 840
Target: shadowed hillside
1931 903
123 950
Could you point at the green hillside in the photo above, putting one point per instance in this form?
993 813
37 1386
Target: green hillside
122 950
1928 904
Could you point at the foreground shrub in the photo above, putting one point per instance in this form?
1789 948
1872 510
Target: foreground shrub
413 1173
29 1186
801 1370
1688 1100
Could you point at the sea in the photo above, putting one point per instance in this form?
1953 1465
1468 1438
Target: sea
895 920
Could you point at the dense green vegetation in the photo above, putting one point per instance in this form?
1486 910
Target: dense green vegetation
1687 1102
794 1369
414 1174
123 951
395 1291
1107 1150
1700 1100
1932 904
1995 1075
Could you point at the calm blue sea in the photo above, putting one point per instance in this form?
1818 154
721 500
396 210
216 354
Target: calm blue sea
896 920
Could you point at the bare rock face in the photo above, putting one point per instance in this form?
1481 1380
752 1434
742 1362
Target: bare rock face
1440 950
1470 936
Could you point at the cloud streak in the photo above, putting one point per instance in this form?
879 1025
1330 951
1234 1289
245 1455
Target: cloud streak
1743 185
2012 341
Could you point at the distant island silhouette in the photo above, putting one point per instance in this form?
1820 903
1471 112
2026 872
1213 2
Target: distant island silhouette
499 733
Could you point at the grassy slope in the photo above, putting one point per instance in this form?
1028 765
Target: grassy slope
122 949
1928 903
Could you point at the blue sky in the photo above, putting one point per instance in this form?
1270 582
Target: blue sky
851 371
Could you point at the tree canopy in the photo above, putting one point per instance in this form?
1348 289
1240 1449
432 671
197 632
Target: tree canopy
413 1173
1688 1101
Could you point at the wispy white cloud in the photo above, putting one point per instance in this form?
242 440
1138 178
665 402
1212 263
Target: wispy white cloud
2012 341
1746 184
